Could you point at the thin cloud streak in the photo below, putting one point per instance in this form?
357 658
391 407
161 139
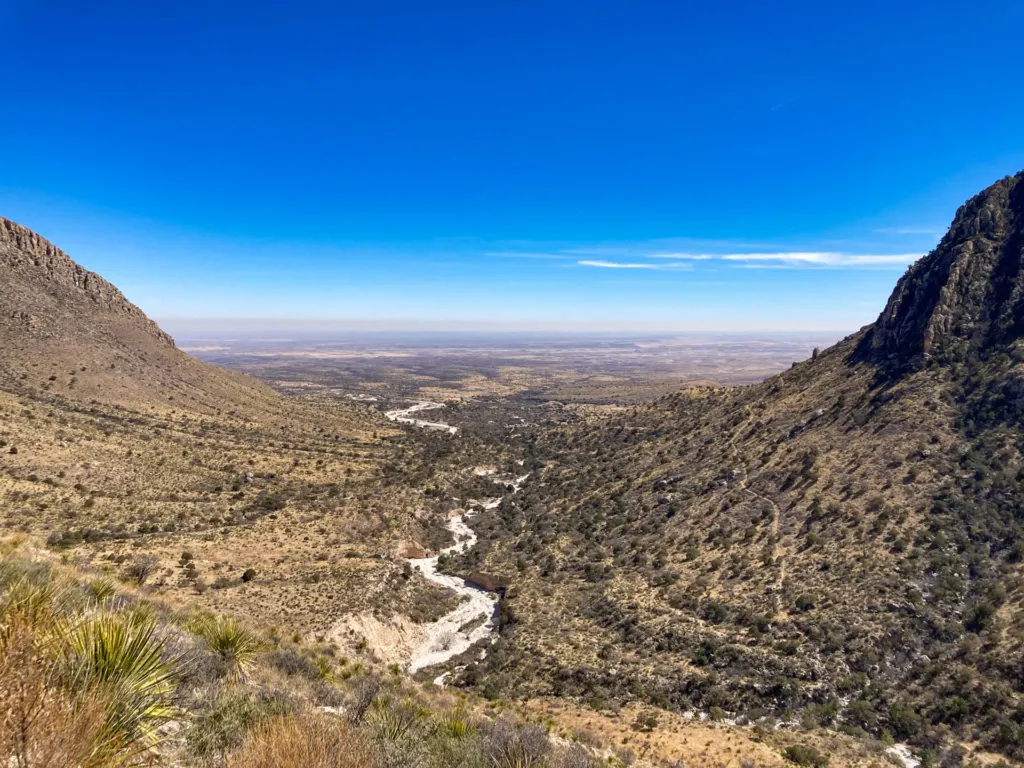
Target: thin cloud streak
673 266
689 256
825 258
529 255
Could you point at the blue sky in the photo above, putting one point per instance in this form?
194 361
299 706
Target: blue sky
724 166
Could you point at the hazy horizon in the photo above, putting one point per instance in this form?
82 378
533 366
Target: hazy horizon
186 326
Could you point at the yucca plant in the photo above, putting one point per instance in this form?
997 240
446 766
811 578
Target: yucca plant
229 638
392 721
119 656
102 589
41 724
42 601
324 669
455 723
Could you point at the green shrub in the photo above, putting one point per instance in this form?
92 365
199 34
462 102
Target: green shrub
804 755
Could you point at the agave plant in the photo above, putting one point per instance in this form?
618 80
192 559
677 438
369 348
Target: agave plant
235 643
119 657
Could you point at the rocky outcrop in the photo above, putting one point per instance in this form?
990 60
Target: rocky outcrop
967 295
487 581
67 332
34 258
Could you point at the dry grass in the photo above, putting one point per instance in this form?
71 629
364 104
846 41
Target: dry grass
42 726
308 740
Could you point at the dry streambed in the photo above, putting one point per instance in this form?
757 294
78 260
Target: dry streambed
475 618
405 416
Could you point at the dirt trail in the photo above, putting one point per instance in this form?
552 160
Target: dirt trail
776 526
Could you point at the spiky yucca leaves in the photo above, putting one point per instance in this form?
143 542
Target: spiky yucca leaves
102 589
456 723
235 643
42 599
120 657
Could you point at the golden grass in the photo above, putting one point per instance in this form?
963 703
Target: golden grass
307 740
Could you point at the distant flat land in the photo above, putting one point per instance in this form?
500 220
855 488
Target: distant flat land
581 368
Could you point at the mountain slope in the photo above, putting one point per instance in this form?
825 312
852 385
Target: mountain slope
842 541
118 447
68 331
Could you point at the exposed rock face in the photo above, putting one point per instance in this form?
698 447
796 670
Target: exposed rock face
67 332
31 258
487 581
967 294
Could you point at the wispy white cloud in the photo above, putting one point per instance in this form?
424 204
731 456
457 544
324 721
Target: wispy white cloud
825 258
675 266
639 257
784 103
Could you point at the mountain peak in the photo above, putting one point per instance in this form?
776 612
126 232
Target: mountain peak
27 256
964 297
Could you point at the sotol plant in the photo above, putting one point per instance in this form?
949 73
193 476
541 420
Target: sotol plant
119 656
236 644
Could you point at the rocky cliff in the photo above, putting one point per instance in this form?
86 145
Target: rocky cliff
964 297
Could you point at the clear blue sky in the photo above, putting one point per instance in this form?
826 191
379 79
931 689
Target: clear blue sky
658 164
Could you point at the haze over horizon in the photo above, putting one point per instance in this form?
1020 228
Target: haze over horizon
592 166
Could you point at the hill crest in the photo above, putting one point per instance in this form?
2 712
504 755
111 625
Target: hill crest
964 297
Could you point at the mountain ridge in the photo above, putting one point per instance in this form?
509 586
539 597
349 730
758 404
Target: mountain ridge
966 294
23 249
842 541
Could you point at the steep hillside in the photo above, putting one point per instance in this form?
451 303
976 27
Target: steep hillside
120 448
65 330
841 543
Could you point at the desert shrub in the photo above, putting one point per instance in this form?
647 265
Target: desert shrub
646 722
805 602
291 662
226 723
364 693
510 745
804 755
305 740
573 756
140 569
904 721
